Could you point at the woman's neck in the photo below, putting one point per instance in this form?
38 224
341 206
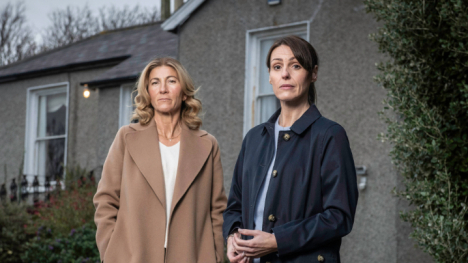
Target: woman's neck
291 112
167 124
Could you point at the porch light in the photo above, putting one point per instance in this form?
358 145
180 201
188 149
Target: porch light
86 92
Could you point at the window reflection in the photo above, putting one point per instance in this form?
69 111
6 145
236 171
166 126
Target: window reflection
52 115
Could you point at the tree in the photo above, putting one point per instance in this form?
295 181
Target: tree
113 18
70 25
16 41
73 23
426 109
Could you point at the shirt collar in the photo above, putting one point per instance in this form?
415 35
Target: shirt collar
309 117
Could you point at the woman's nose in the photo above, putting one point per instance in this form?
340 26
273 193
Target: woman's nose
285 73
163 88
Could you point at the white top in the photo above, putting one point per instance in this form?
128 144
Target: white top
169 160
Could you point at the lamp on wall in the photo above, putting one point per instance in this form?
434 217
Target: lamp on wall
274 2
361 171
86 92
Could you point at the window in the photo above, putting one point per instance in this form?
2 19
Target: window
46 132
126 104
259 100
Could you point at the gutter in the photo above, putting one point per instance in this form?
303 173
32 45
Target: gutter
64 68
105 83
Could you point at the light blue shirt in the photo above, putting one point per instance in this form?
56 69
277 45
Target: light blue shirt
260 204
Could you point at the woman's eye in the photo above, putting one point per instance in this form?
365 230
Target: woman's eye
154 83
276 67
296 66
172 81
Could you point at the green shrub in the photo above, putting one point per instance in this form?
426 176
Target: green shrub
27 233
77 246
70 208
426 109
14 231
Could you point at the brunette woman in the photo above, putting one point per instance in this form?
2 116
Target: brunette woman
294 193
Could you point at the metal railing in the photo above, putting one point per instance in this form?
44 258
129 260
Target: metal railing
21 192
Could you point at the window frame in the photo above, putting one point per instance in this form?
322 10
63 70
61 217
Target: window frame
252 61
32 104
125 95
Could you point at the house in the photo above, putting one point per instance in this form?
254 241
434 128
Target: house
47 120
223 45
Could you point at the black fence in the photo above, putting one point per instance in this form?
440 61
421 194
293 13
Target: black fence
22 192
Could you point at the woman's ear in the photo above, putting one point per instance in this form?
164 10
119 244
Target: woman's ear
314 74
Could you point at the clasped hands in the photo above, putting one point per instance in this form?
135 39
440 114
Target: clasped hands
244 251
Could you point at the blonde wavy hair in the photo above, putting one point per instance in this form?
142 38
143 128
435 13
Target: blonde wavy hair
191 107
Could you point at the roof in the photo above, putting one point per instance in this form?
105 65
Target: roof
181 15
128 50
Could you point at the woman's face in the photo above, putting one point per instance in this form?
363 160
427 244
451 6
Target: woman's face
165 90
289 79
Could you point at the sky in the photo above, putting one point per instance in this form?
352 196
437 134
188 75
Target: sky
37 10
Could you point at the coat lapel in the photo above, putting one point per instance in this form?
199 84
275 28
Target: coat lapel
194 150
143 146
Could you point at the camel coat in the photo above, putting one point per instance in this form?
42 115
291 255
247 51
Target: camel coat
131 204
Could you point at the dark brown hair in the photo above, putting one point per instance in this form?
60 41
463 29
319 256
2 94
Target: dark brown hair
305 54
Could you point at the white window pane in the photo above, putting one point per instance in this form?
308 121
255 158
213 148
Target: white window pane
268 106
126 104
265 86
50 158
52 115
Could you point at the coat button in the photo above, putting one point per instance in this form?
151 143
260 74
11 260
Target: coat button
275 173
320 258
286 137
272 218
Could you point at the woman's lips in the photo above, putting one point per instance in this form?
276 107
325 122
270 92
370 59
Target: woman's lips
286 86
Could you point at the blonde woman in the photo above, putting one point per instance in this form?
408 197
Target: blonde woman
161 195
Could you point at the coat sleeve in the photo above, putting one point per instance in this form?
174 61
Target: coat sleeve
218 203
233 213
339 200
107 197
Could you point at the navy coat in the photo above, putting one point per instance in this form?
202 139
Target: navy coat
311 200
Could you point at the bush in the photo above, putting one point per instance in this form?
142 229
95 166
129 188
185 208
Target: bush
71 208
14 226
77 246
426 110
61 230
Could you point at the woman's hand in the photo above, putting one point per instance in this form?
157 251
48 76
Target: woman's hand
262 244
233 255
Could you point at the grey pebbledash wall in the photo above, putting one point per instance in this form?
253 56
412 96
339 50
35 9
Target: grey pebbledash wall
212 48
